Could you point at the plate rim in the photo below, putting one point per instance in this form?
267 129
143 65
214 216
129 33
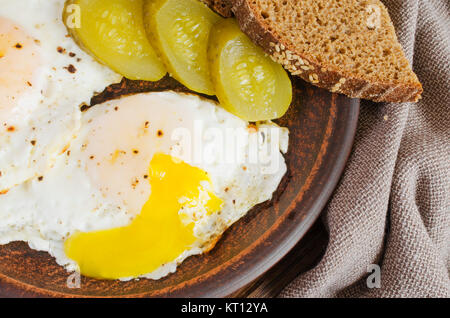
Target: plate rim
282 249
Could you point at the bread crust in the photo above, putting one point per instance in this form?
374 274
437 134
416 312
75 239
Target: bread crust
324 76
222 7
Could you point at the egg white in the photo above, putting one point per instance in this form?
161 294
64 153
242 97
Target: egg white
43 121
93 185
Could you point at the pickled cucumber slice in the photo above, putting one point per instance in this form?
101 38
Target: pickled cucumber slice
247 82
113 32
180 30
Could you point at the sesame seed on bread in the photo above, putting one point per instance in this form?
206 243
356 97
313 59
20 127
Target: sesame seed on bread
345 46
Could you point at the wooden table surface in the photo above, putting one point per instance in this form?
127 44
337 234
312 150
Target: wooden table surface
304 256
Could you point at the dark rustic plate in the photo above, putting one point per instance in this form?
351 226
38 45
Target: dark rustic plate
322 127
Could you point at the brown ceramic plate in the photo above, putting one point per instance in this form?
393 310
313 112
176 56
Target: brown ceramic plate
322 127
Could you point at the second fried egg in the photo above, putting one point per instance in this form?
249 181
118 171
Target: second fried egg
44 78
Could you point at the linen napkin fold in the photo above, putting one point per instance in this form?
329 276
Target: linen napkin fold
392 205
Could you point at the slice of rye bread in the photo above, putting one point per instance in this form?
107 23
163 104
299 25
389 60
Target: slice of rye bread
345 46
222 7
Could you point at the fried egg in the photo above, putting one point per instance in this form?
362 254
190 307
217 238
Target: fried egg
44 78
149 180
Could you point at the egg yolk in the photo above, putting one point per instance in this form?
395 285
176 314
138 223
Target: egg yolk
158 235
19 61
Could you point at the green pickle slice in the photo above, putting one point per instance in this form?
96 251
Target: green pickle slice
113 32
180 30
247 82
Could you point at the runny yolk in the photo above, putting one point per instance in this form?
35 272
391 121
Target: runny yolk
158 235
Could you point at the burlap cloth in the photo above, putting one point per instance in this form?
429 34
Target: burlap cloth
392 205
